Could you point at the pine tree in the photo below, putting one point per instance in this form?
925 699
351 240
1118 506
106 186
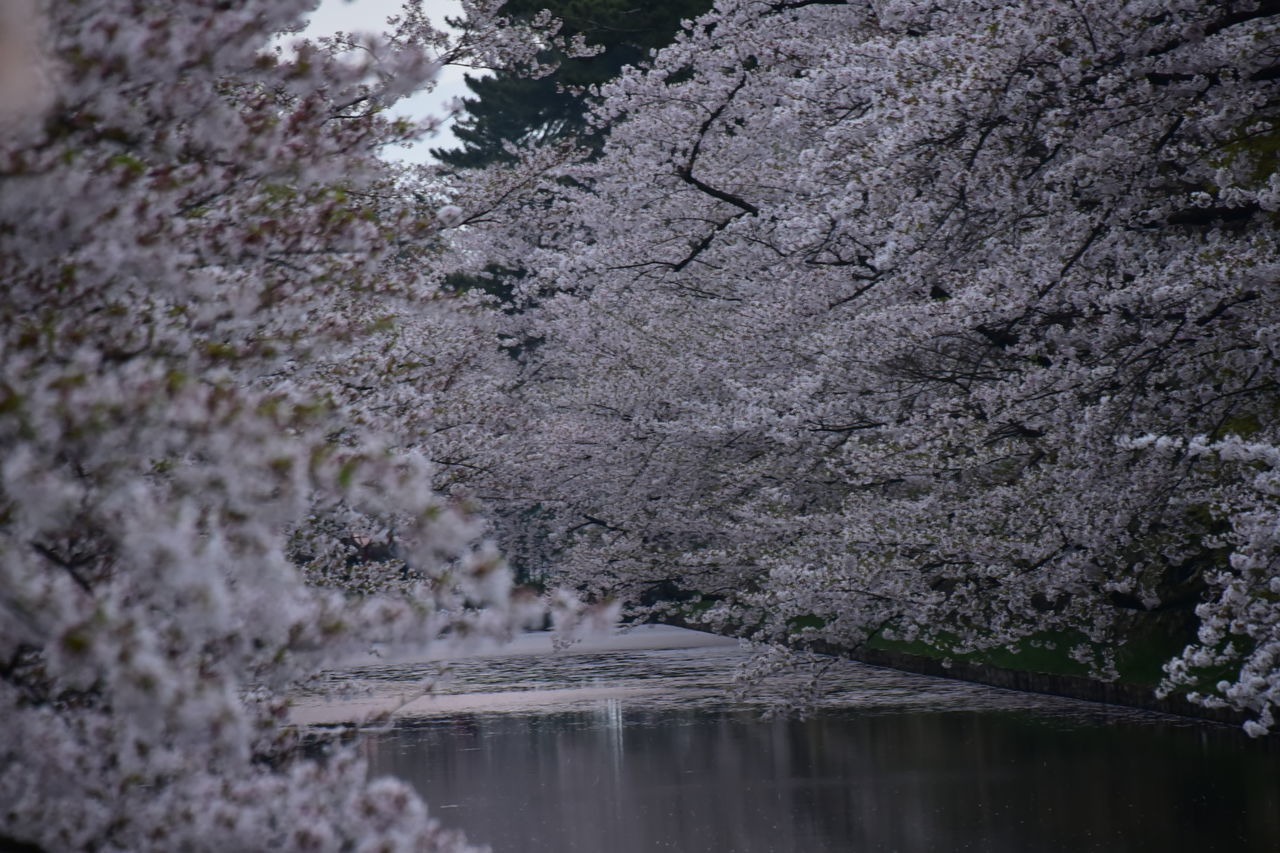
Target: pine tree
511 107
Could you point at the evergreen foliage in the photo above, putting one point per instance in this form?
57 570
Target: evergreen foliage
510 108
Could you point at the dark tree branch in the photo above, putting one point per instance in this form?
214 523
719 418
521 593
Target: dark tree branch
70 566
688 178
685 172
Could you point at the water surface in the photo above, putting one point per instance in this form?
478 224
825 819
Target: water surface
644 749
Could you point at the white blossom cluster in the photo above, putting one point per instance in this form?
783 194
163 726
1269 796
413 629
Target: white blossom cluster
948 321
224 351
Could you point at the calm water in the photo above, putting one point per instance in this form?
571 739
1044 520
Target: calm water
642 750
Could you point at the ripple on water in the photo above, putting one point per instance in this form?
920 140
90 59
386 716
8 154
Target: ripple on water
655 679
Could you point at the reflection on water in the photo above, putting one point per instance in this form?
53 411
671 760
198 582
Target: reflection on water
642 751
630 780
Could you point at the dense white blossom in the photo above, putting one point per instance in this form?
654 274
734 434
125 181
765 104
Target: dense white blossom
953 321
225 358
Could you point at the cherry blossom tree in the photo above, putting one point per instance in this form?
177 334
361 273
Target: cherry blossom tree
951 322
226 365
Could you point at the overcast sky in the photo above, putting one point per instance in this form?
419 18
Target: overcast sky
370 16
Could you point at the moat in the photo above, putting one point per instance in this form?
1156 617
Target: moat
637 744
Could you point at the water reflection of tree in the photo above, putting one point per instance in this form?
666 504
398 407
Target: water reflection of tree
728 781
